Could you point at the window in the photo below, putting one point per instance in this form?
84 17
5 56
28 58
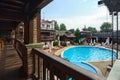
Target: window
48 26
43 25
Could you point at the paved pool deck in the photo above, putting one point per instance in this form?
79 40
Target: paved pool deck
58 52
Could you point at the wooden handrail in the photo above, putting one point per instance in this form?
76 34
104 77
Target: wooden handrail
50 67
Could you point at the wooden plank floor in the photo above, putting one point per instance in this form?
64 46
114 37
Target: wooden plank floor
10 64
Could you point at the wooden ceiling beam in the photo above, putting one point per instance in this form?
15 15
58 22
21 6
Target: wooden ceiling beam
10 6
38 4
12 12
17 2
7 10
11 18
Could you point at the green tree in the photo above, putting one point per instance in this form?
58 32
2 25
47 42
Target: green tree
106 27
56 26
77 34
92 29
62 27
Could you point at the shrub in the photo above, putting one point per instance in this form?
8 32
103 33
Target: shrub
55 43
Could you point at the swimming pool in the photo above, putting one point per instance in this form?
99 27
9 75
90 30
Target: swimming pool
86 66
79 54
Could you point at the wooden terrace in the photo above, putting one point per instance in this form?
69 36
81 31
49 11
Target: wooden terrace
19 63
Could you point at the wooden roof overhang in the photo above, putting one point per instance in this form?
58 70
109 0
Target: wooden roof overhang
15 10
112 5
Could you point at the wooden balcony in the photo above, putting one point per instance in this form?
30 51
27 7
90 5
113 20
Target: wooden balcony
38 65
50 67
47 35
47 38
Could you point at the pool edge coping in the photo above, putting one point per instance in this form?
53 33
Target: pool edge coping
97 69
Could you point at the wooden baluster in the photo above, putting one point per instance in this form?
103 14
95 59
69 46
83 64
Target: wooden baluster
33 72
51 72
38 67
44 70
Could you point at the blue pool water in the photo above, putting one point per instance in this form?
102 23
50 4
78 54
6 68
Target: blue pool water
85 66
87 53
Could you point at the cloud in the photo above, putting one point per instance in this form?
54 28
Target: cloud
94 20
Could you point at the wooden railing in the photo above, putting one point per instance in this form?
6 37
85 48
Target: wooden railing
49 67
46 66
44 38
22 52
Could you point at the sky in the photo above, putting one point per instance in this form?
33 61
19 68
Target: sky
76 13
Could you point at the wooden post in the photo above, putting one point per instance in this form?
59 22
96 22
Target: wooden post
27 24
0 43
25 59
31 31
26 30
36 28
112 37
13 36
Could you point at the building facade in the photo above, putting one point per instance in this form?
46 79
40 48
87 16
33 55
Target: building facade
47 30
103 36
